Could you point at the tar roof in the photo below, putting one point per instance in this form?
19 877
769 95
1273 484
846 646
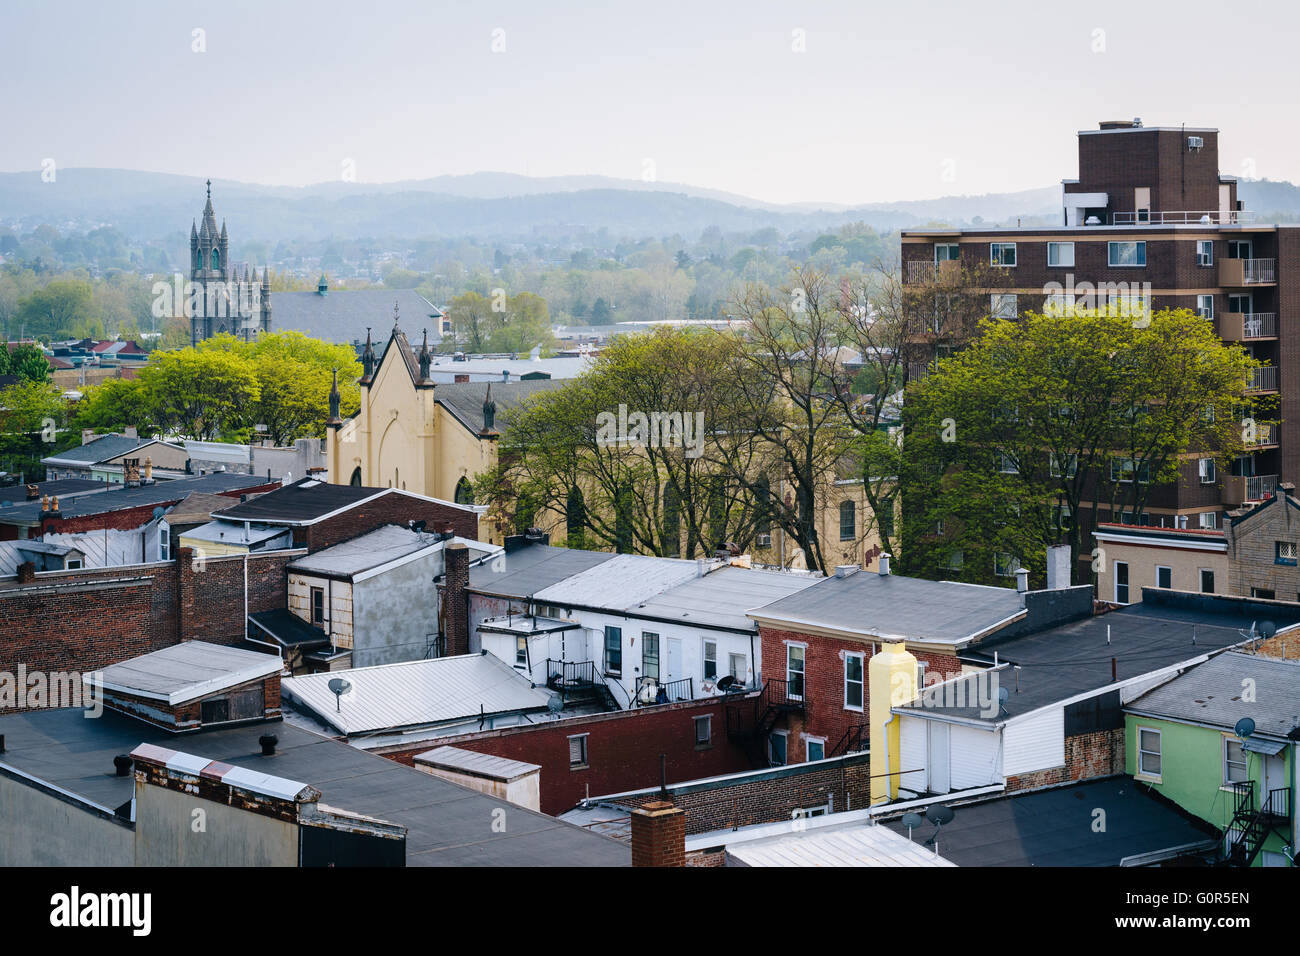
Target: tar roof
305 500
723 596
415 693
444 822
1057 827
196 508
343 315
188 670
116 499
528 570
465 399
1213 693
69 486
893 607
286 629
1060 663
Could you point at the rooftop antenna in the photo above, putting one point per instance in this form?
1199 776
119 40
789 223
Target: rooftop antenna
938 814
912 821
339 686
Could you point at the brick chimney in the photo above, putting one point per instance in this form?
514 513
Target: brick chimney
455 600
26 573
658 835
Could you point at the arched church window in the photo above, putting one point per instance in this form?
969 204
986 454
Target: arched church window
216 259
464 492
356 476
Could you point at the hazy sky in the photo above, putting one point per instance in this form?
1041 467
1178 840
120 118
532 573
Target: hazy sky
893 100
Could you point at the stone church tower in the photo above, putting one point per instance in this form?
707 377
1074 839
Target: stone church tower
228 300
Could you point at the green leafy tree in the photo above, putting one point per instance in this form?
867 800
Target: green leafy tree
27 362
204 395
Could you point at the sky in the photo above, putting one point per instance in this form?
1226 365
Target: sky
819 101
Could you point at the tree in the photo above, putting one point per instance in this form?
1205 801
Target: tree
61 308
27 362
30 415
116 404
525 324
204 395
1011 439
471 321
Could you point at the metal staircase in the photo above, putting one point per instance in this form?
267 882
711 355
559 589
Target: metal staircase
1250 827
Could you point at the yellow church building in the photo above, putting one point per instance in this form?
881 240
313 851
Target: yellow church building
413 433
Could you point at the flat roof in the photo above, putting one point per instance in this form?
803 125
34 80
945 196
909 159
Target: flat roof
621 583
894 607
305 500
415 693
1056 827
475 764
445 822
1063 662
187 671
845 844
724 596
120 498
1213 693
377 548
531 568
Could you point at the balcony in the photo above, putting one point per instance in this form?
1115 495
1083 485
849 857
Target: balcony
1234 273
1247 326
925 270
1265 437
1239 489
1262 379
1183 217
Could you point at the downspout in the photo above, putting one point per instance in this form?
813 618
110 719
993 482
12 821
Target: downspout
885 728
245 595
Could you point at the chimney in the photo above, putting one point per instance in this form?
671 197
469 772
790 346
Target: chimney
1058 567
130 432
884 566
455 600
1022 580
87 435
26 573
33 492
658 835
148 470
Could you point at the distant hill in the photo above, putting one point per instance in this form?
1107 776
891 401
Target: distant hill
497 205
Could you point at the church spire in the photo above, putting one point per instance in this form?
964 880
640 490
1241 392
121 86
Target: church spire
425 361
334 420
367 360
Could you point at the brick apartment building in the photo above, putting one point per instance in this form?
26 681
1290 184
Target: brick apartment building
1151 216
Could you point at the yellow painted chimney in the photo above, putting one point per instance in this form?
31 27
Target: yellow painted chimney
891 678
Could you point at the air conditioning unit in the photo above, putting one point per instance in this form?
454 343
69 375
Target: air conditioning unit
1195 142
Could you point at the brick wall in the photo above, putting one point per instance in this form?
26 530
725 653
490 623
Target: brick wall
623 750
1098 754
1252 551
85 620
393 508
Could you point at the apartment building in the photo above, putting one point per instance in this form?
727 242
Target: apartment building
1150 218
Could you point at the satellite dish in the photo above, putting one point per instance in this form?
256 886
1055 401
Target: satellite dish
727 683
1267 629
912 821
1003 695
1244 728
158 512
555 703
938 814
339 686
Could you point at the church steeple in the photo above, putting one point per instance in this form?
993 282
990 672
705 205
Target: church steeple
368 360
425 361
334 420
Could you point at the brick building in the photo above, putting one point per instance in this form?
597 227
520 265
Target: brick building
1150 218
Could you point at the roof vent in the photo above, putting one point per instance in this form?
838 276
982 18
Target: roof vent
122 764
884 565
1022 580
267 743
844 570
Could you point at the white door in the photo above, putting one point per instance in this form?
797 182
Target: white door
675 666
940 781
1275 778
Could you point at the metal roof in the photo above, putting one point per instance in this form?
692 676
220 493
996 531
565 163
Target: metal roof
377 548
444 821
622 582
98 449
465 399
343 315
1056 827
475 764
119 498
530 569
1214 693
415 693
723 597
187 671
848 844
894 607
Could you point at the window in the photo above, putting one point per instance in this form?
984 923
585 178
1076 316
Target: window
956 560
1002 253
1205 468
703 731
1148 752
1164 577
848 521
1005 564
1234 761
1063 516
1207 581
1126 253
1002 306
164 543
1060 253
1205 306
1058 303
1264 594
1205 252
737 667
578 752
73 564
318 605
1209 519
815 747
794 669
521 651
763 539
710 660
1284 552
613 651
854 685
1121 582
776 748
1124 469
649 655
1007 464
1071 465
946 252
1240 249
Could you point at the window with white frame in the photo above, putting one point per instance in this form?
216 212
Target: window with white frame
1205 468
578 751
956 560
1060 253
1205 306
1285 552
1164 577
1002 305
1058 303
521 651
1205 252
854 682
1148 752
1121 582
1126 253
1071 465
613 651
650 655
1209 520
1002 253
1125 469
710 660
164 543
814 748
1234 762
1005 564
738 667
1007 464
703 731
946 252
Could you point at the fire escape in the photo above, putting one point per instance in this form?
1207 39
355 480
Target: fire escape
751 719
1251 825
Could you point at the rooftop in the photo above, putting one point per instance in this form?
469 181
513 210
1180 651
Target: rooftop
120 498
343 315
622 582
187 671
723 597
415 693
377 548
445 822
465 399
302 502
528 570
1212 693
826 843
475 764
98 449
894 607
